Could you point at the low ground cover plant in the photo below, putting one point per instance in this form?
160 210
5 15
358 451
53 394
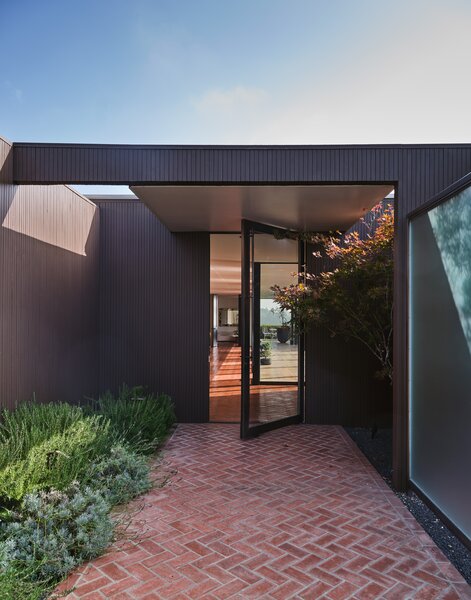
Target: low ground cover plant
54 531
121 476
62 469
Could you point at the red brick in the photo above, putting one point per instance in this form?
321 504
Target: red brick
111 590
91 586
315 590
371 592
114 572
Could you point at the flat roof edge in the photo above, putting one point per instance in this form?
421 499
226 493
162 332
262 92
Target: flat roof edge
238 146
111 197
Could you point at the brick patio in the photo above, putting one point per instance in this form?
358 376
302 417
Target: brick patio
296 513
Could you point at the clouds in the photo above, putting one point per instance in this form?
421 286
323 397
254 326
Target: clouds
404 83
15 92
236 110
229 102
264 72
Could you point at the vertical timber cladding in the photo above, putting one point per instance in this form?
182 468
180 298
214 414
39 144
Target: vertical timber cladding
154 307
354 396
48 291
418 171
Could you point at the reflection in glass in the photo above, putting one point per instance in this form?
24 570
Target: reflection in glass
275 327
440 356
451 224
273 389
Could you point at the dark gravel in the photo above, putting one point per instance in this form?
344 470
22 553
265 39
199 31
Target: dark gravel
378 451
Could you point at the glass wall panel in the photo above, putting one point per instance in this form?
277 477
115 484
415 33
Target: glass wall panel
440 356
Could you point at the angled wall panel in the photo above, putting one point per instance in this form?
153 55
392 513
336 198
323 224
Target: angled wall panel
48 292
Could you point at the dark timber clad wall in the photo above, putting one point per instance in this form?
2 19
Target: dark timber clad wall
48 290
419 172
154 307
345 372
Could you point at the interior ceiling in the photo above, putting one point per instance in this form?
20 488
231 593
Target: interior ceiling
225 267
219 208
225 260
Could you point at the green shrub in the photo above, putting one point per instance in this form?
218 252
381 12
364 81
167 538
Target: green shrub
19 584
45 450
54 532
59 459
140 418
31 424
121 476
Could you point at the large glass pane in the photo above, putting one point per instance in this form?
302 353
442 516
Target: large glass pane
440 357
278 341
274 356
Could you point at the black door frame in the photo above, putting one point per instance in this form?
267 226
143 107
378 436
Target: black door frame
248 228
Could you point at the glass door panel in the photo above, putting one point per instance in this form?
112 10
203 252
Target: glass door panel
272 355
278 342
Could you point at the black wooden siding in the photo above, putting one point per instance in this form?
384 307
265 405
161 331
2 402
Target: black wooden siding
154 307
343 387
69 163
48 309
418 171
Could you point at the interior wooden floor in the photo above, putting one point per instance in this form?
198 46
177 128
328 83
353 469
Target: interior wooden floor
267 402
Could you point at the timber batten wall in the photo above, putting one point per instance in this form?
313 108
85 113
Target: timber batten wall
48 291
154 307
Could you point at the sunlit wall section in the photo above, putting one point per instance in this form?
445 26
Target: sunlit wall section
440 356
49 269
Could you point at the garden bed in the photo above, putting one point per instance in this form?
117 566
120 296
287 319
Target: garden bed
62 470
378 451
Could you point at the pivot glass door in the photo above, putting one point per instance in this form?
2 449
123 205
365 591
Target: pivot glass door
272 351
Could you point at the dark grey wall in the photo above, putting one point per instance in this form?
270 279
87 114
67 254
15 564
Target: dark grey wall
154 307
419 172
48 291
341 383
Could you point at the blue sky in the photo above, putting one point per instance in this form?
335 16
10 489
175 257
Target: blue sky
235 71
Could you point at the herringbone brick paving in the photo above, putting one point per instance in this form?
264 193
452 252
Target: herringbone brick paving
296 513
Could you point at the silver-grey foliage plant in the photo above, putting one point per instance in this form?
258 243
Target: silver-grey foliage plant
121 476
55 531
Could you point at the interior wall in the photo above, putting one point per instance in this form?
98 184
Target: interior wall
228 301
48 290
341 385
154 307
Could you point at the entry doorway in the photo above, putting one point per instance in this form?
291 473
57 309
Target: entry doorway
272 386
275 351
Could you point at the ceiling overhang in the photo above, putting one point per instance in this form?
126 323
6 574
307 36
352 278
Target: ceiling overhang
220 208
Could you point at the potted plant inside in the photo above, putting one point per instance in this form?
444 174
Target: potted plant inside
265 353
283 331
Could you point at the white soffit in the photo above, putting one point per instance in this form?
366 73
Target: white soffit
221 208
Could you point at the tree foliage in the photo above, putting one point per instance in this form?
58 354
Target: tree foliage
354 299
